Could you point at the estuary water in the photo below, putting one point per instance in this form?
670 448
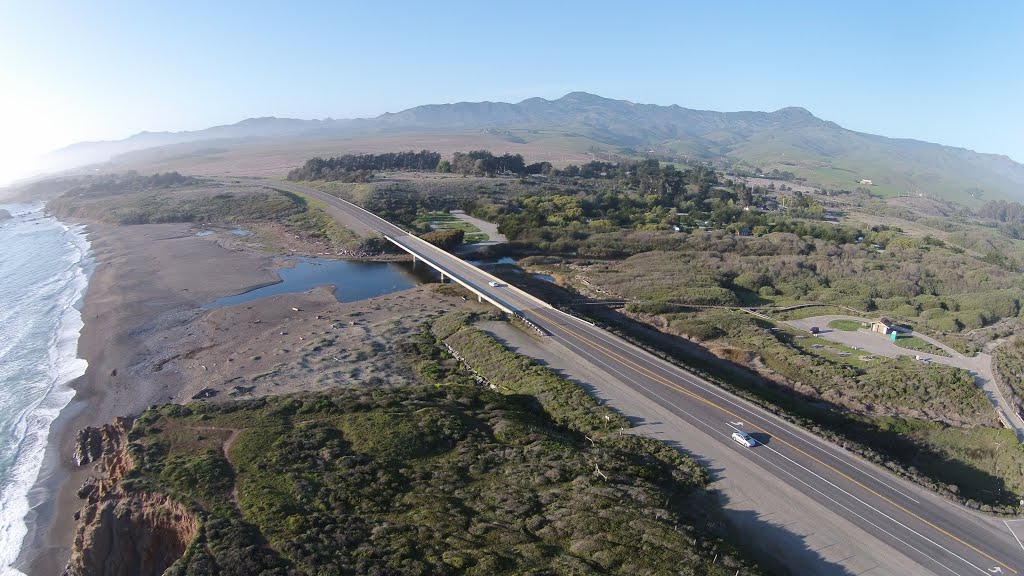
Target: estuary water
352 281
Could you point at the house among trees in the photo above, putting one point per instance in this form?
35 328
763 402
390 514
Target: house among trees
883 326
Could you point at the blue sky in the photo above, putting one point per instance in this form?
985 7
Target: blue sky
938 71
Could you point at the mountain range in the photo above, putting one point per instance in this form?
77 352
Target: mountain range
790 140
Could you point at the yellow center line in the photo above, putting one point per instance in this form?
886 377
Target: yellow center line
669 384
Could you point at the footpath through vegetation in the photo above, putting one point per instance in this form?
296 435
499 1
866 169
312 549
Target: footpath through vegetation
506 470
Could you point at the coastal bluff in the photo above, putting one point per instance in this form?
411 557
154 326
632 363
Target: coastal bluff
123 533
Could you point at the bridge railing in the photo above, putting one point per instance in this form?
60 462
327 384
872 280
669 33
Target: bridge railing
455 277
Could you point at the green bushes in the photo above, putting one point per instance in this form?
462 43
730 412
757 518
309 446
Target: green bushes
236 206
1008 362
206 475
227 207
398 436
439 479
880 386
231 207
314 222
447 239
449 480
941 391
565 403
932 288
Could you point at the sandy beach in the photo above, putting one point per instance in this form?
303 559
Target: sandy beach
148 280
148 341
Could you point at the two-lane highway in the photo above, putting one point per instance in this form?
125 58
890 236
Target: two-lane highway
937 533
941 536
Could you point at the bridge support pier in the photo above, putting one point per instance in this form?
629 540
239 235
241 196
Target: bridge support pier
442 277
479 298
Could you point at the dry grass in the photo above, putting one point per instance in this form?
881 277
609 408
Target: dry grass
274 160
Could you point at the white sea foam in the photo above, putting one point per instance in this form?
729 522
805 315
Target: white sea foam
46 267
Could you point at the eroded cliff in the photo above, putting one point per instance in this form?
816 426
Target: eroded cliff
121 533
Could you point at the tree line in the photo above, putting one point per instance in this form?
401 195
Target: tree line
110 184
360 167
1007 216
484 163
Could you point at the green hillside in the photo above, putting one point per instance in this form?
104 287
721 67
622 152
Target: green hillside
791 139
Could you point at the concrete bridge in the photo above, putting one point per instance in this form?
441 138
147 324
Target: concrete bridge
447 275
865 517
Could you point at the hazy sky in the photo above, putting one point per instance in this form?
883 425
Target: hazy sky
933 70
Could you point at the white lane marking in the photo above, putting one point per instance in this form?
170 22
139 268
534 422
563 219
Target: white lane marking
832 455
689 378
797 478
780 423
890 518
881 529
1014 534
700 385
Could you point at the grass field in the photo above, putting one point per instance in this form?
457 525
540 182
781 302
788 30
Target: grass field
810 312
845 325
915 343
446 221
832 351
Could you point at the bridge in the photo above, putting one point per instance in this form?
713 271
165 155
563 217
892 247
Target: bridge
416 249
867 519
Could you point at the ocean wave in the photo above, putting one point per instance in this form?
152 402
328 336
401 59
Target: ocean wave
31 428
61 290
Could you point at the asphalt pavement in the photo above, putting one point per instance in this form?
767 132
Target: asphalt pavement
980 365
940 536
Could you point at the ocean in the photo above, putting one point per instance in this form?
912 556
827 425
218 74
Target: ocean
44 269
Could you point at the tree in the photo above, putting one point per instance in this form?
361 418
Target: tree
445 239
539 168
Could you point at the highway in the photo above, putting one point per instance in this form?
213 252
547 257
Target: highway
936 534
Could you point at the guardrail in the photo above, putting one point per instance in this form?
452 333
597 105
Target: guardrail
530 324
427 248
455 277
430 247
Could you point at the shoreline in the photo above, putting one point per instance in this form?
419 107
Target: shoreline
130 300
30 467
46 496
146 336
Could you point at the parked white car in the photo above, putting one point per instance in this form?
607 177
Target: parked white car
745 439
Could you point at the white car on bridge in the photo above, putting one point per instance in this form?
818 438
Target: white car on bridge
495 284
